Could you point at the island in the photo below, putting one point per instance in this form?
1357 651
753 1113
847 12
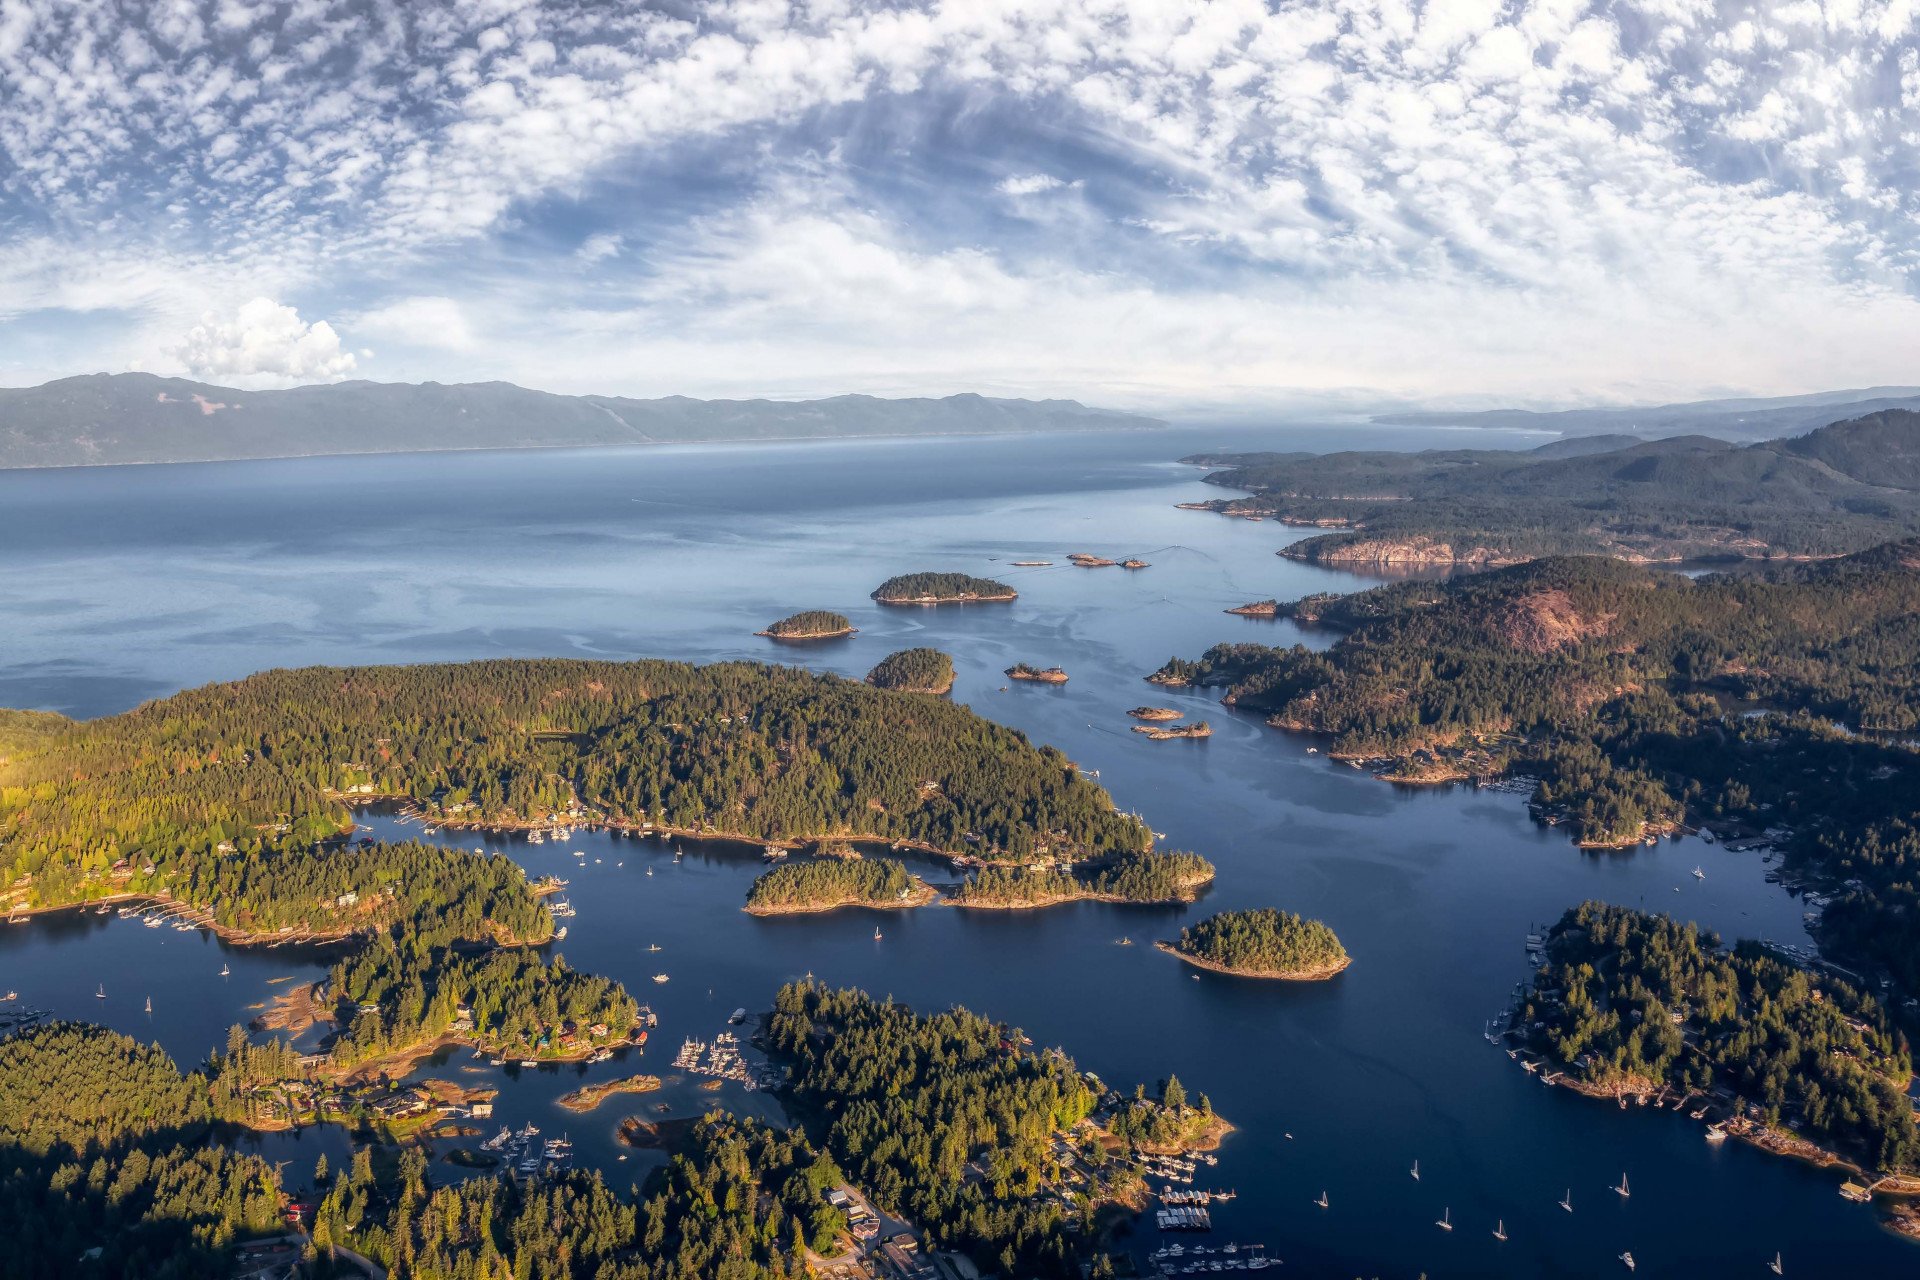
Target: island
1264 943
1161 878
1198 729
588 1097
827 884
1134 562
1156 714
1797 1061
913 671
810 624
1084 560
1257 609
942 588
1048 675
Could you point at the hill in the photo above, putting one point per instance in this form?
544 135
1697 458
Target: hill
1772 705
1845 487
99 419
1761 418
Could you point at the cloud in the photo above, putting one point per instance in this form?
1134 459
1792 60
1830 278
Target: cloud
448 172
1029 184
435 323
262 344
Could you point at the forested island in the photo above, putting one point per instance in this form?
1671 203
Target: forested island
913 671
1639 700
1038 675
1842 488
942 588
1159 733
829 883
810 624
1264 943
1134 878
1634 1004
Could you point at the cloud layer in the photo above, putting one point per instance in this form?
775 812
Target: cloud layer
1158 201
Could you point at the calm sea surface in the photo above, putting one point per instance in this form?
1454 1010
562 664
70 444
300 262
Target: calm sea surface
123 584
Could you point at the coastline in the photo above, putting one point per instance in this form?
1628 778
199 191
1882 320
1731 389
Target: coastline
808 635
1297 975
925 895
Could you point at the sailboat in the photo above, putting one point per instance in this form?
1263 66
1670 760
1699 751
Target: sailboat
1566 1201
653 946
149 1004
1627 1258
1698 874
1500 1230
1622 1188
101 992
876 933
1322 1201
1416 1171
1446 1220
225 971
1774 1266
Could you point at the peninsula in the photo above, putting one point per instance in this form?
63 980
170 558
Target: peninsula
942 588
1640 701
810 624
1261 944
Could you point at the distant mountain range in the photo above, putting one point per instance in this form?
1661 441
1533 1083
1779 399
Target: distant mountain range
1831 491
101 419
1757 419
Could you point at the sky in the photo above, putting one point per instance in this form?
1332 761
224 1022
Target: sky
1155 204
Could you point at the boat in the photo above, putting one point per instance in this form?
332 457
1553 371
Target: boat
649 870
528 1063
659 977
739 1016
1322 1201
653 946
1566 1201
1774 1266
1627 1258
1446 1220
1416 1171
1622 1188
876 934
1698 874
1500 1230
101 992
149 1004
1716 1133
9 997
225 971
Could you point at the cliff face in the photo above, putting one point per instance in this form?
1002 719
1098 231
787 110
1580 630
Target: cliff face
1413 552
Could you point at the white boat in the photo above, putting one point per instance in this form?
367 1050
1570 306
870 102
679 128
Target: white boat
1627 1258
149 1004
1446 1220
1716 1133
659 977
1322 1201
653 946
1622 1188
1416 1171
1500 1230
1698 874
1774 1266
225 971
876 934
1566 1201
101 992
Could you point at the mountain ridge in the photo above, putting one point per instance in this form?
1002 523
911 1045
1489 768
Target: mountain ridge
106 419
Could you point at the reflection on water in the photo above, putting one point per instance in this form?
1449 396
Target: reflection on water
132 582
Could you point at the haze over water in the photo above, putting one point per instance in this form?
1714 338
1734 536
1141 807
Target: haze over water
130 583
